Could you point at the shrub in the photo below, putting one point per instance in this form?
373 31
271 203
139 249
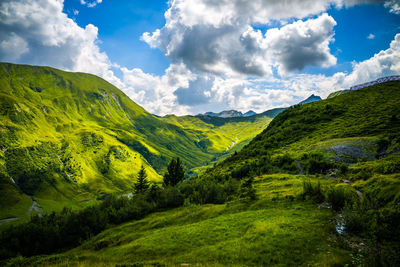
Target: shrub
246 190
339 196
313 192
315 162
285 162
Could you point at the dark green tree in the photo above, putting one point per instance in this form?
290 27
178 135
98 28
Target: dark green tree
175 172
246 190
141 184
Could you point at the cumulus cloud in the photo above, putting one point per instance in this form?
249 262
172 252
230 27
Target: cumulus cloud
157 93
220 37
39 33
302 44
13 46
384 63
371 36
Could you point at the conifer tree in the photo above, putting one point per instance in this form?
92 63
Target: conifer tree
141 184
175 172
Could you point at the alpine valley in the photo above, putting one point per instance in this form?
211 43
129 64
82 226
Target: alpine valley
315 184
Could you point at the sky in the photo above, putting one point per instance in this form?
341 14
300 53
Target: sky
193 56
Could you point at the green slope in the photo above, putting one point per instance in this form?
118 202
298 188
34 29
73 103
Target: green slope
67 138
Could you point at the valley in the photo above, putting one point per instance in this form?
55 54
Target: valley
315 184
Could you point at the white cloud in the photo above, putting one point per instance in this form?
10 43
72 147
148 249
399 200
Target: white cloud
91 3
384 63
394 6
154 93
371 36
219 36
299 44
12 46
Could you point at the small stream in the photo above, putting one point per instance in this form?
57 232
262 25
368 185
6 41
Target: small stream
340 226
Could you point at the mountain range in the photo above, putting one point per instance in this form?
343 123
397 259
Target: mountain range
236 114
230 114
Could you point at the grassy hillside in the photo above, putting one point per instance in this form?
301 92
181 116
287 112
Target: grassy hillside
68 138
319 187
359 126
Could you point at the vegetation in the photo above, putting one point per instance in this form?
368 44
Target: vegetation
319 186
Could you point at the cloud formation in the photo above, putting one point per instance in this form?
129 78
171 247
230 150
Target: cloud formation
228 54
220 37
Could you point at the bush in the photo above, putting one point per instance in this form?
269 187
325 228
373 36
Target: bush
315 162
339 196
313 192
286 163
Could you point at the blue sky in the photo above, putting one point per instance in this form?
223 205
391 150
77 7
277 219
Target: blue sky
193 56
121 23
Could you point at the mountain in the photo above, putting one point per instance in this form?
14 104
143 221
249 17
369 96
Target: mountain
249 113
229 114
310 99
68 138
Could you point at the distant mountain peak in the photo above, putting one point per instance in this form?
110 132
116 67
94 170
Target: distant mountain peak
249 113
310 99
